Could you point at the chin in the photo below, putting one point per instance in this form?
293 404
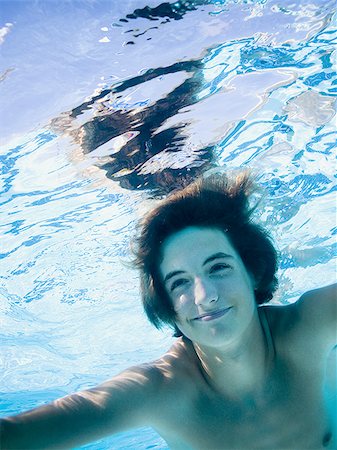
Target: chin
210 338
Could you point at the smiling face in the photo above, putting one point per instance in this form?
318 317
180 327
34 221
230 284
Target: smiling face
208 285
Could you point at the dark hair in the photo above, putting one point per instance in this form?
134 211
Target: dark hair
217 201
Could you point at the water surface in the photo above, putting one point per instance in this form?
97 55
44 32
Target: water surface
107 106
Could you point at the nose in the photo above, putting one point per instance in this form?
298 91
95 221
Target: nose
204 292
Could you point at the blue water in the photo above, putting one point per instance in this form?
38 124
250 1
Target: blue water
105 107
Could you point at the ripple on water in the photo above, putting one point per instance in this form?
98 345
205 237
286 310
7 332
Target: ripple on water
203 86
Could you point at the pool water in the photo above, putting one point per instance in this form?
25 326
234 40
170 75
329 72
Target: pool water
108 106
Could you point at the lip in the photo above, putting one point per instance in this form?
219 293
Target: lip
212 315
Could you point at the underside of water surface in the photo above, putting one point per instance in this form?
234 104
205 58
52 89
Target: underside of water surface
106 107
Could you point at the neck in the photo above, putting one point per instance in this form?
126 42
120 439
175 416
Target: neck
241 367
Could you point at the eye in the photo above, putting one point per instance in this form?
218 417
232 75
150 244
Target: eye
219 267
177 283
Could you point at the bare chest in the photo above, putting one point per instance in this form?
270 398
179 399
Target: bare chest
290 413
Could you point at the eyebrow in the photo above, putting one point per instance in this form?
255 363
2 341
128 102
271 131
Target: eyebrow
218 255
172 274
211 258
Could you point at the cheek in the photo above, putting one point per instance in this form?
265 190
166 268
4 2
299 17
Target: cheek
181 303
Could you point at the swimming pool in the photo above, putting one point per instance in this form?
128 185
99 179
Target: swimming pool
107 106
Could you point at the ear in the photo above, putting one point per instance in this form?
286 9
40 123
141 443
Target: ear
177 332
255 280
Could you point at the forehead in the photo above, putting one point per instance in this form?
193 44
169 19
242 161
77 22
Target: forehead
192 246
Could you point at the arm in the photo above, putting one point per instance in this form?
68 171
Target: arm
318 309
121 403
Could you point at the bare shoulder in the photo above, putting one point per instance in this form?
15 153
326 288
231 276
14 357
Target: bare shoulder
311 319
143 394
318 311
324 298
179 381
178 364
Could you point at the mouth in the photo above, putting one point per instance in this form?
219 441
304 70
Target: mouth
212 315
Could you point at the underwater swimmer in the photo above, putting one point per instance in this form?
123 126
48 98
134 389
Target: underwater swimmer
242 374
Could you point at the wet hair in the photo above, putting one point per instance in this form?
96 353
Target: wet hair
215 201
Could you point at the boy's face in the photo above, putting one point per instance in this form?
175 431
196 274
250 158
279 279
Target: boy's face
208 285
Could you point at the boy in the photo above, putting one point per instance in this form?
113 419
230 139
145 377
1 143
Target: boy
242 374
